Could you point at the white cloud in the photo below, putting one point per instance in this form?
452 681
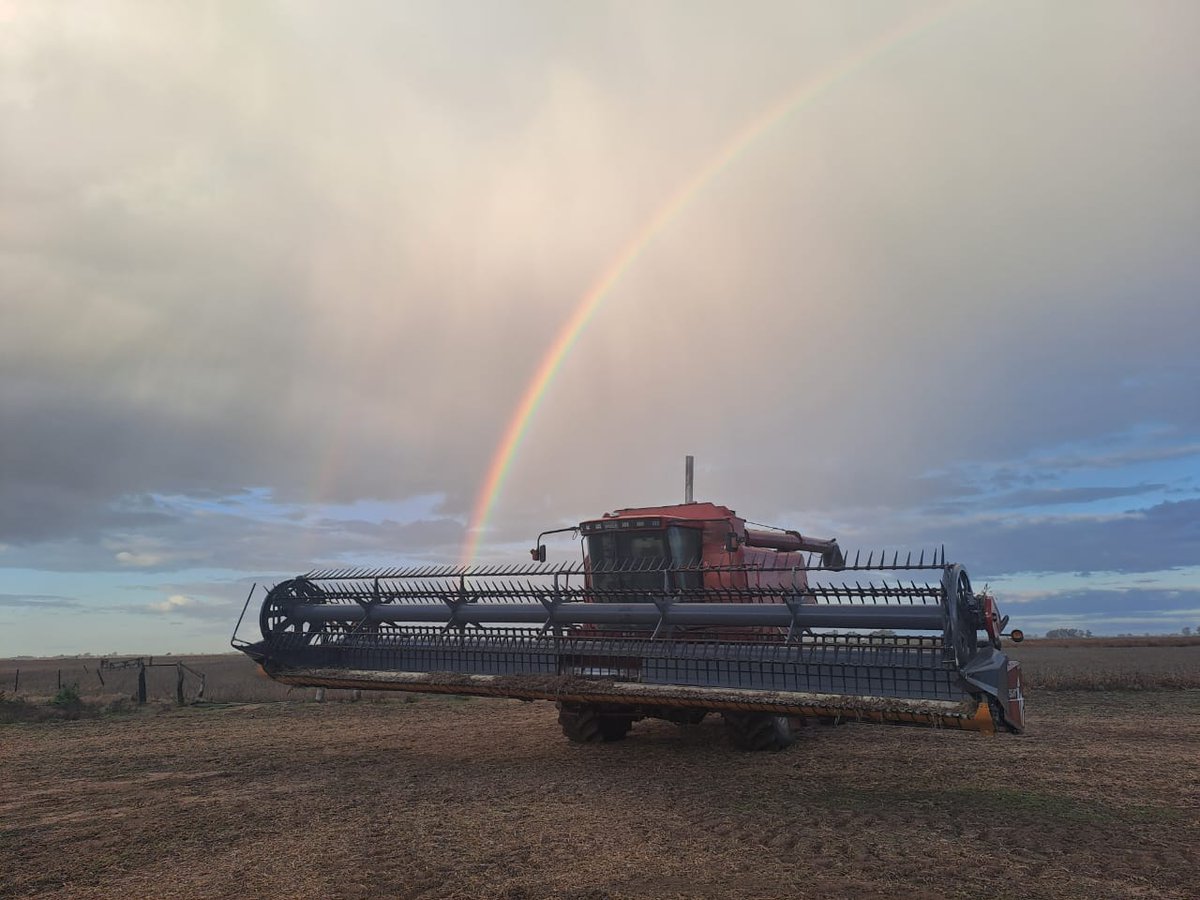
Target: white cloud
138 560
174 603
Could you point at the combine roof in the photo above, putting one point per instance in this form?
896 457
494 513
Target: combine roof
677 511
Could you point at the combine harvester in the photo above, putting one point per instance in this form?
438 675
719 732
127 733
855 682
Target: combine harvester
674 612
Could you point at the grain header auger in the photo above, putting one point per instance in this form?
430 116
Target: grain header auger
673 612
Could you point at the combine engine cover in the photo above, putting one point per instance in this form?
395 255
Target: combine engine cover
767 636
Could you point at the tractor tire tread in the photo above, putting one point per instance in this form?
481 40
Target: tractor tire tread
583 724
757 732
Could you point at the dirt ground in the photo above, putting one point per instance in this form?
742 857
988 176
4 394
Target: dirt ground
463 798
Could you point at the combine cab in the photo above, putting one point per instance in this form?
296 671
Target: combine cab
673 612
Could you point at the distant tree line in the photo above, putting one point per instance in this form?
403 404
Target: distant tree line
1058 633
1061 633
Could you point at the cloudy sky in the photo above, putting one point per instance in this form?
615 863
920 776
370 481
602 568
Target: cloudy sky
274 277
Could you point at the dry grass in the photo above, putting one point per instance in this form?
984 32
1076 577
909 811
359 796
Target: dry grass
14 710
229 677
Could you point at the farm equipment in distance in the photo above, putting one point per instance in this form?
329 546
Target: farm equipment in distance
673 612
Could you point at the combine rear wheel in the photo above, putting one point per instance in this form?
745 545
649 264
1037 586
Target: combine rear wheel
586 724
758 731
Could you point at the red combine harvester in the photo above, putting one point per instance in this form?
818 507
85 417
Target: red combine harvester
673 612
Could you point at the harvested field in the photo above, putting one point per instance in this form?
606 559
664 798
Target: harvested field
438 797
1107 664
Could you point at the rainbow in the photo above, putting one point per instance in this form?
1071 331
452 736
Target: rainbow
585 310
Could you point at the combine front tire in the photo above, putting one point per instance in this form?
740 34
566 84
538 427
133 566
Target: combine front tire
687 717
758 731
584 724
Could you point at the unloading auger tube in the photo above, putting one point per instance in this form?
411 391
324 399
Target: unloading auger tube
924 652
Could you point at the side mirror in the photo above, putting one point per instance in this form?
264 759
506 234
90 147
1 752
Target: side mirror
538 553
833 558
1016 635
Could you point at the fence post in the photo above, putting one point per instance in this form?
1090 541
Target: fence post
141 684
179 683
16 681
60 679
320 695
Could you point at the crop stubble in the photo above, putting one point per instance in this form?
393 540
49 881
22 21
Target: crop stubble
463 798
